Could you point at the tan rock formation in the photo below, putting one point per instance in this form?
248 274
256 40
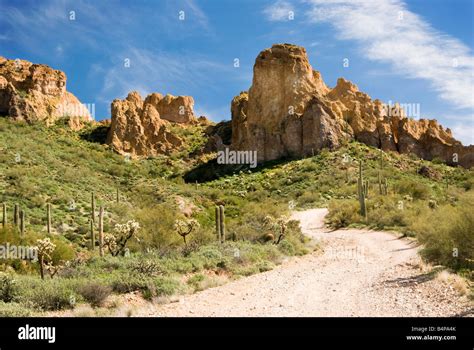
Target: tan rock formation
36 92
176 109
138 129
290 112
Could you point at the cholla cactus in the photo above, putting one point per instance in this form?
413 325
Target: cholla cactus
276 225
185 227
122 234
45 249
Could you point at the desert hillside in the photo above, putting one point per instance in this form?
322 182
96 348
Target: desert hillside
140 208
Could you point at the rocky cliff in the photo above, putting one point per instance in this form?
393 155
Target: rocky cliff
142 127
36 92
290 112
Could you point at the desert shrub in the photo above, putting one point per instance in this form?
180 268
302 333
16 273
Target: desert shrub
157 227
287 248
47 295
94 293
383 213
160 286
342 213
13 309
413 188
308 199
8 288
447 233
146 267
131 283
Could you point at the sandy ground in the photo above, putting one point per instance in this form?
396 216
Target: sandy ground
358 273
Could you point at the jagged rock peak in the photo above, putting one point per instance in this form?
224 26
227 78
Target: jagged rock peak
36 92
141 128
290 112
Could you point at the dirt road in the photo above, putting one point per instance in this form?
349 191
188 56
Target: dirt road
358 273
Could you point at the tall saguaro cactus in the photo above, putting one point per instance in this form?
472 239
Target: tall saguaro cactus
22 223
380 182
222 222
4 218
101 231
218 223
92 236
93 207
48 218
362 192
16 215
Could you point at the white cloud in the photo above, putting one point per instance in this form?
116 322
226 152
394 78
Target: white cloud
388 32
279 11
464 133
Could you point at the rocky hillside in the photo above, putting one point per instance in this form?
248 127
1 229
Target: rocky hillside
290 112
36 92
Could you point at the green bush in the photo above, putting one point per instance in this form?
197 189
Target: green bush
48 294
447 233
14 310
8 288
342 213
413 188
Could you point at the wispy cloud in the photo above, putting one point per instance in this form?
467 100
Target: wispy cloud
159 72
279 11
197 13
388 32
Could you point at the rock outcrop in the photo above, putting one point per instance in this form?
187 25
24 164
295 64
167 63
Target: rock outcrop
290 112
36 92
142 127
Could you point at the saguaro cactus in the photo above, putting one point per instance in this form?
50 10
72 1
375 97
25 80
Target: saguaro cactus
22 222
218 223
379 177
101 231
48 218
16 215
92 235
222 222
4 219
118 195
93 207
361 189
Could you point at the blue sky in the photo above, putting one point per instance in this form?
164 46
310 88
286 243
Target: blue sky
412 52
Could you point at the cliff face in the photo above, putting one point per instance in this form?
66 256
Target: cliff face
141 127
290 112
36 92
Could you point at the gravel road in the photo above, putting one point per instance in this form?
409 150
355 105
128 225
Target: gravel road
358 273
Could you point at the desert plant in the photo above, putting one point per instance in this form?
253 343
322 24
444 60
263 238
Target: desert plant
8 287
185 227
4 218
94 293
45 250
278 228
362 191
12 309
147 268
122 234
